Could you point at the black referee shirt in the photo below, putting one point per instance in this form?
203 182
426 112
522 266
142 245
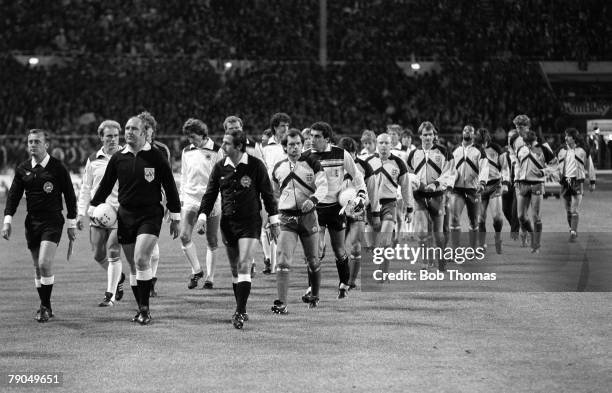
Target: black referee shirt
141 178
241 188
43 187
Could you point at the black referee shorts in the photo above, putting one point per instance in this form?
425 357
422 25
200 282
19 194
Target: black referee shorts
330 218
132 223
43 227
233 229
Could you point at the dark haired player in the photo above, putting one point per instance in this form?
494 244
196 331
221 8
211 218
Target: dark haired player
300 183
242 180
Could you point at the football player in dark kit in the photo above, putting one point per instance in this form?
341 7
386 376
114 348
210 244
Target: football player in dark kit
242 180
142 172
44 180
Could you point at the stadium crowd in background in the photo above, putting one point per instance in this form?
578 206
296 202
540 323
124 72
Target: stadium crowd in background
358 30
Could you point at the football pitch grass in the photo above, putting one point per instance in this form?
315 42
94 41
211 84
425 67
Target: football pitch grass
391 341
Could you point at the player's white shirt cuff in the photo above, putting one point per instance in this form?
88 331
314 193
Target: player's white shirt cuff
275 219
8 219
202 217
71 222
175 216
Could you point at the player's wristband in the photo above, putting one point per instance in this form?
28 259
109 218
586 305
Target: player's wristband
71 223
175 216
314 200
275 219
8 219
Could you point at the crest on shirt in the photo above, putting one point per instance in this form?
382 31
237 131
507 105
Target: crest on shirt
309 177
246 181
149 174
394 172
207 157
48 187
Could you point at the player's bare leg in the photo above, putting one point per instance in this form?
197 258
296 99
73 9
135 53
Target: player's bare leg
354 238
457 203
287 242
495 205
188 221
212 239
107 254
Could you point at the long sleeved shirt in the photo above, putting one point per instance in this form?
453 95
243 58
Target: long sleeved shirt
44 184
498 166
94 171
272 154
196 167
576 163
141 176
431 166
242 187
532 161
337 162
295 182
469 166
394 174
372 182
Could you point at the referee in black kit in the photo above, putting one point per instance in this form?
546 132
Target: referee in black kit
44 179
242 180
141 172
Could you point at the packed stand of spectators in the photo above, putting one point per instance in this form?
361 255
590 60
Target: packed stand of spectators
285 30
73 99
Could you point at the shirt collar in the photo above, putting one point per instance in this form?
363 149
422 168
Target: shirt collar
128 148
43 163
100 153
243 160
272 140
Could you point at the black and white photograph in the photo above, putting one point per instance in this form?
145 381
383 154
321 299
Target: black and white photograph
306 196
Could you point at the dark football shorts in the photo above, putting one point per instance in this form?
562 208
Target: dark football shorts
492 190
302 224
388 209
529 189
432 204
469 195
132 223
330 218
43 227
572 187
232 229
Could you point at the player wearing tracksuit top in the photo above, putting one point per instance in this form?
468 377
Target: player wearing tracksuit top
575 165
299 182
495 187
470 169
430 165
532 160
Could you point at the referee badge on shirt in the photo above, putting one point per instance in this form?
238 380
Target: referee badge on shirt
48 187
149 174
245 181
